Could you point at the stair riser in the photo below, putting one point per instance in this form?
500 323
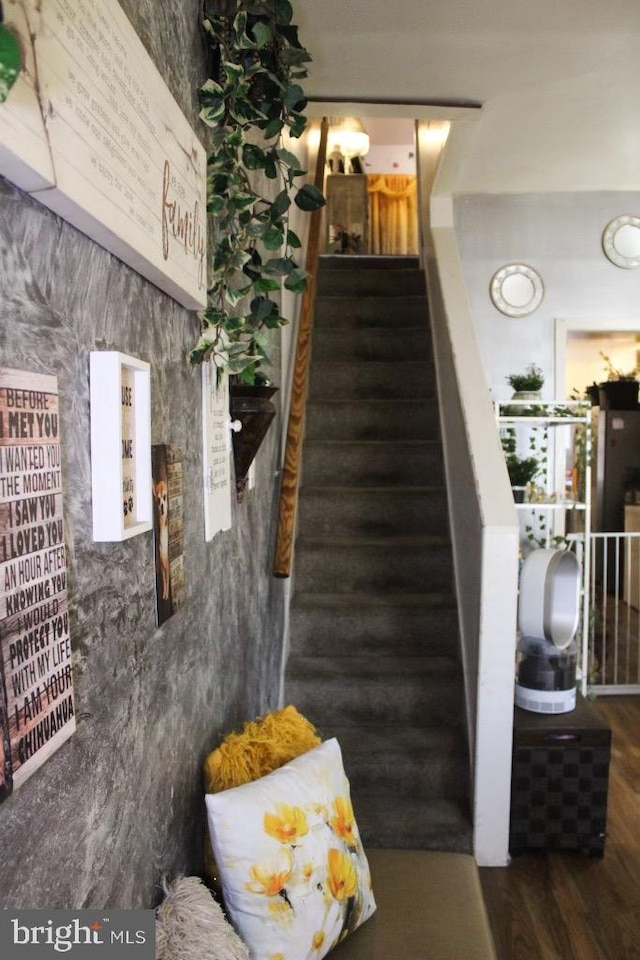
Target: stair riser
367 344
362 569
389 824
361 312
364 262
375 631
373 465
362 380
360 420
370 283
369 513
413 702
399 777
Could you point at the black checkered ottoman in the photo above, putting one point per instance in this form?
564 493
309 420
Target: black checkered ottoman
559 781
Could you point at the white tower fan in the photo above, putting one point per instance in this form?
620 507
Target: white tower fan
548 616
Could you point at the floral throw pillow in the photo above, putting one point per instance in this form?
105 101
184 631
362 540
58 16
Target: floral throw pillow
295 878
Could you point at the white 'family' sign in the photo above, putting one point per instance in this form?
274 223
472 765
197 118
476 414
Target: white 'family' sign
92 131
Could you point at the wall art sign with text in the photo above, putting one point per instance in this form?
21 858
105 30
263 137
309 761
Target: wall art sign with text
91 130
120 445
168 528
216 441
37 713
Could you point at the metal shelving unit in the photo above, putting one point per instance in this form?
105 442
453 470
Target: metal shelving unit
552 431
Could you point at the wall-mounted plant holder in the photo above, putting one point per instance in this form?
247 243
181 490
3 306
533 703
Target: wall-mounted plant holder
252 407
120 446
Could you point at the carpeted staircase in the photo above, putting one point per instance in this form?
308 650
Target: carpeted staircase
374 641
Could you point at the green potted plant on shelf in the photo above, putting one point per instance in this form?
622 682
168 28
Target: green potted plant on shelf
620 390
527 385
522 470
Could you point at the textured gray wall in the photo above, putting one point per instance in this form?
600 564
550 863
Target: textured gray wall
121 803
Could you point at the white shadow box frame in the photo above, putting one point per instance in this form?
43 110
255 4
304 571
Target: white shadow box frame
108 371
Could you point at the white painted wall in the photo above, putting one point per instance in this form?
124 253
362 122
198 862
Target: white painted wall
559 234
391 158
576 134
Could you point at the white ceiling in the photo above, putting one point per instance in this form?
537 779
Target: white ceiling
471 50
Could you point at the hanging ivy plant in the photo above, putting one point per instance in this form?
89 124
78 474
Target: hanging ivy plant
253 96
10 58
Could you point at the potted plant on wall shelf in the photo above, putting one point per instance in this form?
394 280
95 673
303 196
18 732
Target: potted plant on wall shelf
522 470
620 390
253 96
527 385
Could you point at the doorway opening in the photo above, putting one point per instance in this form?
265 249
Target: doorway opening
585 351
371 187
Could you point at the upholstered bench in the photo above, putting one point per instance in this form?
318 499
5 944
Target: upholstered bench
429 907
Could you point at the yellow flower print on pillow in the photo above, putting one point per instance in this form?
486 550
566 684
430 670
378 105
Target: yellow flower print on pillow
342 876
270 877
344 821
288 825
319 940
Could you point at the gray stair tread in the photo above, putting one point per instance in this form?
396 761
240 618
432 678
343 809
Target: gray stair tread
369 740
386 365
374 401
417 542
373 669
374 443
369 261
391 490
348 600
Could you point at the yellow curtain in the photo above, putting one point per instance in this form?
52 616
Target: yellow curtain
393 213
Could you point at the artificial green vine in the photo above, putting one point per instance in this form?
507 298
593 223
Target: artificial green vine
10 59
254 98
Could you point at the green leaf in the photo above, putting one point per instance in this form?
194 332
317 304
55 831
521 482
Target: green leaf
295 56
297 123
211 115
281 204
271 168
265 285
235 138
219 183
293 239
235 296
262 342
273 128
273 237
234 73
216 205
289 158
240 31
309 198
279 266
243 201
263 34
281 10
261 308
293 95
210 92
253 156
296 282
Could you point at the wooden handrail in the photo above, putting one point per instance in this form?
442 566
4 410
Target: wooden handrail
295 430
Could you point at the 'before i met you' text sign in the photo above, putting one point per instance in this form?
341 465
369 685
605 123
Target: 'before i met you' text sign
91 131
37 713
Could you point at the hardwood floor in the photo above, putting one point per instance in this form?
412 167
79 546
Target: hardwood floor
561 906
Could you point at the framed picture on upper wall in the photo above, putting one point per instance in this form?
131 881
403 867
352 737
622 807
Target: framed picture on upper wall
120 446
